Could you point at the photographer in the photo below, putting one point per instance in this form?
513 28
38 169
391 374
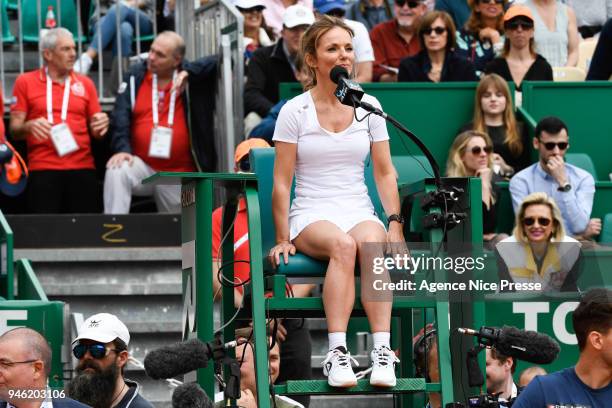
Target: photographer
500 369
589 383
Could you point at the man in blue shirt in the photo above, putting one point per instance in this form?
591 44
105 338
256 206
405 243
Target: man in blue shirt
589 383
571 187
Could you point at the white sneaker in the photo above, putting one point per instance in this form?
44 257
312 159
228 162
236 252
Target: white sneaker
83 64
383 367
337 368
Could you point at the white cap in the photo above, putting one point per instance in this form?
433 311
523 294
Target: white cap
249 4
297 15
104 328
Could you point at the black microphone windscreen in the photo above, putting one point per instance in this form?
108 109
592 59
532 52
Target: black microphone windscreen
176 359
529 346
338 72
190 395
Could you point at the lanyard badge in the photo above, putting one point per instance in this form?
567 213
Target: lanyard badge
61 136
161 136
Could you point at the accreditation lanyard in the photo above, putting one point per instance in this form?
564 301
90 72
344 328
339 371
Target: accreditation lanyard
155 102
64 114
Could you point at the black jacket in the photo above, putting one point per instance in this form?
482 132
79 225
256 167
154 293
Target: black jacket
198 100
540 70
132 398
455 69
267 69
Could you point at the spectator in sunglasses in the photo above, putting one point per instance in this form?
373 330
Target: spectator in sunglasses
102 354
256 31
494 115
481 39
539 251
25 364
556 32
519 61
437 61
470 155
396 39
572 188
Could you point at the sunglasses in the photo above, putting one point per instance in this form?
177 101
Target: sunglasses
244 164
551 145
411 3
437 30
514 25
477 149
544 222
491 1
96 350
257 9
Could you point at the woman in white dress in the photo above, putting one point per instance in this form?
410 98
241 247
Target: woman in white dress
332 217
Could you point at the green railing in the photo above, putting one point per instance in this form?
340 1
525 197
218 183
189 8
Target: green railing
6 263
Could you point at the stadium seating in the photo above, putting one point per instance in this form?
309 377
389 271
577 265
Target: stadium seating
568 74
585 53
32 22
583 161
7 36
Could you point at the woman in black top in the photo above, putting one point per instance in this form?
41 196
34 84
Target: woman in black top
494 115
471 156
519 61
436 62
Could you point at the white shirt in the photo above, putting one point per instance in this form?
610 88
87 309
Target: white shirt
361 42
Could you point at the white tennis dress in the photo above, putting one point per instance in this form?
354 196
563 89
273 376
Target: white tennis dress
329 169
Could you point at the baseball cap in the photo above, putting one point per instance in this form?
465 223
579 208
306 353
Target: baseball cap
249 4
323 6
103 327
13 171
297 15
518 11
245 147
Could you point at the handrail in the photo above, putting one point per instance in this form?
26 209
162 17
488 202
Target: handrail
6 263
28 285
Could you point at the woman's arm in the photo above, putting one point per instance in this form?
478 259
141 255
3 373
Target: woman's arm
573 39
386 183
284 167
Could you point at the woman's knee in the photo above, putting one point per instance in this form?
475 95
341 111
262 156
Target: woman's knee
127 31
343 246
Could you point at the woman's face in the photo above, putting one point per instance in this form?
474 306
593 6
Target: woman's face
535 216
475 156
253 17
519 32
436 36
335 47
489 8
493 101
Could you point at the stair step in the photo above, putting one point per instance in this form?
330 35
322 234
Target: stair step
320 387
344 401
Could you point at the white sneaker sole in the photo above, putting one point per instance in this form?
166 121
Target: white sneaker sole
378 383
341 384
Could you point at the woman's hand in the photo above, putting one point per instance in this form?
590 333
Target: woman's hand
505 167
490 34
396 243
486 175
286 248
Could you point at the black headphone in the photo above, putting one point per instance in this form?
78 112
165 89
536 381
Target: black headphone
420 354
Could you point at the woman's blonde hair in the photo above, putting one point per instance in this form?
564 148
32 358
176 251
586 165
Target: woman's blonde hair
539 199
310 40
454 163
475 23
513 139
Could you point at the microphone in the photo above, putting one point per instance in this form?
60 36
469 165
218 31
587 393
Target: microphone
524 345
190 395
348 92
177 359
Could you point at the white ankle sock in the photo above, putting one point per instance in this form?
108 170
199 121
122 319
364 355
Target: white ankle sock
337 339
381 339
